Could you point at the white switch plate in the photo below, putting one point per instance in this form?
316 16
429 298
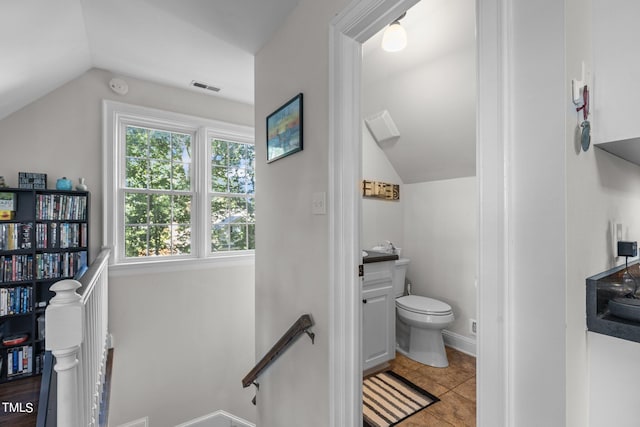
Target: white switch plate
319 203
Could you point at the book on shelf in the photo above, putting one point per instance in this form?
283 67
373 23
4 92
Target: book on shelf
15 300
16 268
19 360
59 264
15 236
8 201
61 207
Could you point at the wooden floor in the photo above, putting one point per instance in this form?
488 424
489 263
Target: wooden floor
27 390
21 391
455 386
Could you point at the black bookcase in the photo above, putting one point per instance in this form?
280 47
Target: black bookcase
43 239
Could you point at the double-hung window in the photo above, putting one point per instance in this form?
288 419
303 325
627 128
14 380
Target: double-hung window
179 187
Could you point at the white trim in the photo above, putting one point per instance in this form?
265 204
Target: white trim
142 422
461 343
358 22
227 418
116 113
172 265
355 24
494 362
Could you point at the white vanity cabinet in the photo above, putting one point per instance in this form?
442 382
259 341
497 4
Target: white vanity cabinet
378 314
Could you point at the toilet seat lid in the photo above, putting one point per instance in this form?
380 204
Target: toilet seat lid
425 305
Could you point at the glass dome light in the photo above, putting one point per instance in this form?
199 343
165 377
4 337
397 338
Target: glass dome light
394 38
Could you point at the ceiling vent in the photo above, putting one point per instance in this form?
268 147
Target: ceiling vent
204 86
382 127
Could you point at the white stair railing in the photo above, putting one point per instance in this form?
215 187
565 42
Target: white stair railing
76 331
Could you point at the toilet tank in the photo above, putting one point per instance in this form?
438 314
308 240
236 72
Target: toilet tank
399 273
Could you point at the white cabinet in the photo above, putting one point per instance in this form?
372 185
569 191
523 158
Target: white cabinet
616 82
378 314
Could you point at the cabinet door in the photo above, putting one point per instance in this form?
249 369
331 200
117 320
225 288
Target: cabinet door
378 326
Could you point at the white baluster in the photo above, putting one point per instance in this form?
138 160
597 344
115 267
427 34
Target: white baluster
64 332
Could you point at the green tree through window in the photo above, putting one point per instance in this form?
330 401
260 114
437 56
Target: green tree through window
232 196
158 193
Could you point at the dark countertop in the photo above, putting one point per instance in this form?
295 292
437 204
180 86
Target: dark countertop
374 256
601 288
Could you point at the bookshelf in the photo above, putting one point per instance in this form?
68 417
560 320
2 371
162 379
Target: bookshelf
44 237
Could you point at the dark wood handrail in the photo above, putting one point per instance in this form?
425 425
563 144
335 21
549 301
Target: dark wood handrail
301 326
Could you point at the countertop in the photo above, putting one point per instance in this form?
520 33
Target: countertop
600 289
373 256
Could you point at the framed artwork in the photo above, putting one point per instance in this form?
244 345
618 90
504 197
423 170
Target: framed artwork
284 130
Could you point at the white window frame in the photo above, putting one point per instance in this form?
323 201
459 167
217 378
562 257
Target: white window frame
116 116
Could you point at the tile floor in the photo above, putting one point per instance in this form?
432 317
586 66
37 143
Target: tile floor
455 386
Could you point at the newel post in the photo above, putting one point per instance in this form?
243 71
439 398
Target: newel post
64 332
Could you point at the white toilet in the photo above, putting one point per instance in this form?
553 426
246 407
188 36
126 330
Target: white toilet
420 321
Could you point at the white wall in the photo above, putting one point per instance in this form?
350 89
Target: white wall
292 251
183 343
61 134
602 190
381 219
441 239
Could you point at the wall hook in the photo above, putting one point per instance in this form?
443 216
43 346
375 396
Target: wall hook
578 85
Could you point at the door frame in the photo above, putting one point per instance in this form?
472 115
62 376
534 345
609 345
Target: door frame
360 20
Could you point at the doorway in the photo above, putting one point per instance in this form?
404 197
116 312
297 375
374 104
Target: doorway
356 24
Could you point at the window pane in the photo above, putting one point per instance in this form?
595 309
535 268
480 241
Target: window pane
181 147
232 218
159 144
238 209
251 210
182 210
137 173
219 153
181 176
237 154
236 180
181 240
135 241
220 238
218 209
159 240
159 209
160 176
136 142
252 236
238 237
251 156
135 208
219 180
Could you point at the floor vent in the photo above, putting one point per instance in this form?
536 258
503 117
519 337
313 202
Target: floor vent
205 86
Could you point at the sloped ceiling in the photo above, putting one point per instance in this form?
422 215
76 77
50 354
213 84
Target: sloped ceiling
429 90
45 43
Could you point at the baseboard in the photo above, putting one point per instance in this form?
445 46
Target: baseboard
142 422
460 342
217 419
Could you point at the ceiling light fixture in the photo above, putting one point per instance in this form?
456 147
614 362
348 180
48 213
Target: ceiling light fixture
394 38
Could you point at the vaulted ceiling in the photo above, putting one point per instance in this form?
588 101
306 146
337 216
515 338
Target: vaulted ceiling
45 43
429 89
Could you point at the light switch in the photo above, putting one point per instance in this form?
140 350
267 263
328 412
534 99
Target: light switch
319 203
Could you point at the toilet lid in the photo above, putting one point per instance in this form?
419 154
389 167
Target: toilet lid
423 305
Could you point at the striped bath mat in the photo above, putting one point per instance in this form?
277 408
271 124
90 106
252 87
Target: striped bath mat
388 398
